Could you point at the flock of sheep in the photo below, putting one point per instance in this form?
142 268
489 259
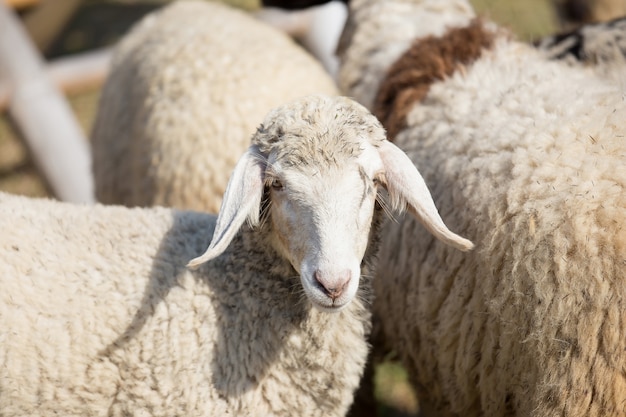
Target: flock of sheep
503 289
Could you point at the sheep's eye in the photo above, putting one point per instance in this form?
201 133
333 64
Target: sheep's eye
277 185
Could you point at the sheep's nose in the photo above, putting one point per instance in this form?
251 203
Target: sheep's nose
333 285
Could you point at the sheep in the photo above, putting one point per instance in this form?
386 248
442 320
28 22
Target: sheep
100 316
600 46
188 86
316 25
525 156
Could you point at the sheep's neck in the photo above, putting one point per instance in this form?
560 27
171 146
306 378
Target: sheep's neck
260 240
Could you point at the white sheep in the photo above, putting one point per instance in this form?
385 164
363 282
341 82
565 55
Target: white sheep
316 25
191 81
99 315
526 157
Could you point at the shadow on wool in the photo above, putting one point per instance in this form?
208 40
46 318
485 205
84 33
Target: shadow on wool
253 317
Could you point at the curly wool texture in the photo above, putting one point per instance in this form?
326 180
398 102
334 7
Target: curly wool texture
99 315
526 158
368 46
125 329
317 121
427 61
188 87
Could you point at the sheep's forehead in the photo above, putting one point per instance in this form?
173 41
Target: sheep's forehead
316 151
319 132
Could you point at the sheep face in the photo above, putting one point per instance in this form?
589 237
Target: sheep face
319 162
321 215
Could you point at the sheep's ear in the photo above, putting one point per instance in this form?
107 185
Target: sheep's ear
405 185
242 200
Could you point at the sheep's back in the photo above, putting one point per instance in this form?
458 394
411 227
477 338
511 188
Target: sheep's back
525 158
100 316
81 285
189 86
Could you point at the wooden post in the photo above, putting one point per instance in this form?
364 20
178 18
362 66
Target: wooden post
43 116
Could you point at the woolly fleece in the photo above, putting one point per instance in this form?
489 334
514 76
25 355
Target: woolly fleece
188 87
99 316
526 158
600 47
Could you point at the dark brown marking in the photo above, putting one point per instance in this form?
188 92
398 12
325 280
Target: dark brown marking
428 60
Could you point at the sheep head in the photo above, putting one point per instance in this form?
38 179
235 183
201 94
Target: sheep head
320 162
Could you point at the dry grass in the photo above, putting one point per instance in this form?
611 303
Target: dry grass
18 173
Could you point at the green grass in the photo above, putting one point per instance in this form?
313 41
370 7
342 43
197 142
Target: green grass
529 19
392 390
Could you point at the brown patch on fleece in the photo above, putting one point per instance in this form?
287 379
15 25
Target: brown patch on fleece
428 60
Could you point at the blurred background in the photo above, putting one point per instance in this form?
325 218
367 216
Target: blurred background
73 30
62 29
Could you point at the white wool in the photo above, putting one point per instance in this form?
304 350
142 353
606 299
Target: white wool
526 158
100 316
188 87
